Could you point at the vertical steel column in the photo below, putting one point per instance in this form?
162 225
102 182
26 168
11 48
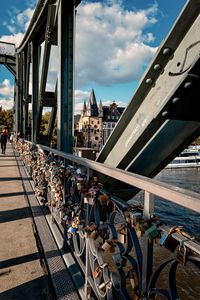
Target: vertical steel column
65 90
24 105
18 110
35 89
148 244
17 94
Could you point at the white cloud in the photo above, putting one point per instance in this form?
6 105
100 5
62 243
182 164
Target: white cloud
6 94
6 104
23 18
112 44
6 89
17 25
14 38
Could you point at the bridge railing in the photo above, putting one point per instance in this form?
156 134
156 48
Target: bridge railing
112 240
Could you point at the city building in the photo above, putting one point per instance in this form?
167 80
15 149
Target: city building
97 122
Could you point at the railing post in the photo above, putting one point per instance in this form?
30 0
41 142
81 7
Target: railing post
87 266
148 244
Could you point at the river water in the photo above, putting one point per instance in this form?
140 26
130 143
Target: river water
174 214
188 277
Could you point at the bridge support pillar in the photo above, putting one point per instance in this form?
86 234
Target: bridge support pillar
19 97
35 89
65 87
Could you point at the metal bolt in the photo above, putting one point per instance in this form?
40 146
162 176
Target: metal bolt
157 67
187 84
164 113
149 81
166 51
176 99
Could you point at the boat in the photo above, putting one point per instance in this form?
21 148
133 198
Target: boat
188 158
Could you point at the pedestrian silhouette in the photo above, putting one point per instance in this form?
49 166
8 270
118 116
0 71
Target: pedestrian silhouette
4 137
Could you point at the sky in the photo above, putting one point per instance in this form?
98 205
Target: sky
115 42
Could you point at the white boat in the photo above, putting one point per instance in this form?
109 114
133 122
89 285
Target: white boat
189 158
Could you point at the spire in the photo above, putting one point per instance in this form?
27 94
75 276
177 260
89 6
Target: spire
93 100
88 108
92 107
100 109
84 108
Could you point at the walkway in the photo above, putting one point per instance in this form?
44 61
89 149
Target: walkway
21 273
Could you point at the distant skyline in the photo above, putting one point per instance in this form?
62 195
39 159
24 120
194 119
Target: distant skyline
115 41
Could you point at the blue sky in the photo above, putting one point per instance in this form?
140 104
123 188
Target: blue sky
116 40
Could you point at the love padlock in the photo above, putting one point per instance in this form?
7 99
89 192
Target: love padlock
152 232
121 237
117 259
168 242
182 254
106 246
135 217
97 272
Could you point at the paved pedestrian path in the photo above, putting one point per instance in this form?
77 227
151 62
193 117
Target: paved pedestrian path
21 273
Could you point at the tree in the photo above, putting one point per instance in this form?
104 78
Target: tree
6 119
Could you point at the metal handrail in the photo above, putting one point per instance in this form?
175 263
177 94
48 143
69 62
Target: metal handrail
180 196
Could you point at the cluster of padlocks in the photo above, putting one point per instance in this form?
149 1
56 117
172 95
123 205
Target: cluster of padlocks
112 230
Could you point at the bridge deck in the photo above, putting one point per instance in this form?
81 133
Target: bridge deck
21 274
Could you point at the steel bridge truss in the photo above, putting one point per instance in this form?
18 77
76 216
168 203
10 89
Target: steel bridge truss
50 37
8 57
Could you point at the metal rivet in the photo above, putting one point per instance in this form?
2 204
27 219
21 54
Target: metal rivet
157 67
187 84
164 113
176 99
149 81
166 51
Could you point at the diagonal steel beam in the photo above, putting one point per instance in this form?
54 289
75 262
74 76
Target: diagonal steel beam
45 64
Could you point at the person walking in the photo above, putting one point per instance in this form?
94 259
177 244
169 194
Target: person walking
4 137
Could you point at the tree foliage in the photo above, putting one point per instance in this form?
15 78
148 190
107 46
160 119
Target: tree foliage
6 119
45 125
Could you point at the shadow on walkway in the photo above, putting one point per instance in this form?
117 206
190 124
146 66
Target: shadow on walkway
14 214
15 194
31 290
13 178
19 260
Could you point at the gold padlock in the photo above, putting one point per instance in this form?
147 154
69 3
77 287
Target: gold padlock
121 237
106 246
96 273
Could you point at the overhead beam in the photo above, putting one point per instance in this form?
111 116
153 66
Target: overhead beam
11 68
9 62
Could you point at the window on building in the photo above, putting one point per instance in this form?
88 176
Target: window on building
92 122
96 138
